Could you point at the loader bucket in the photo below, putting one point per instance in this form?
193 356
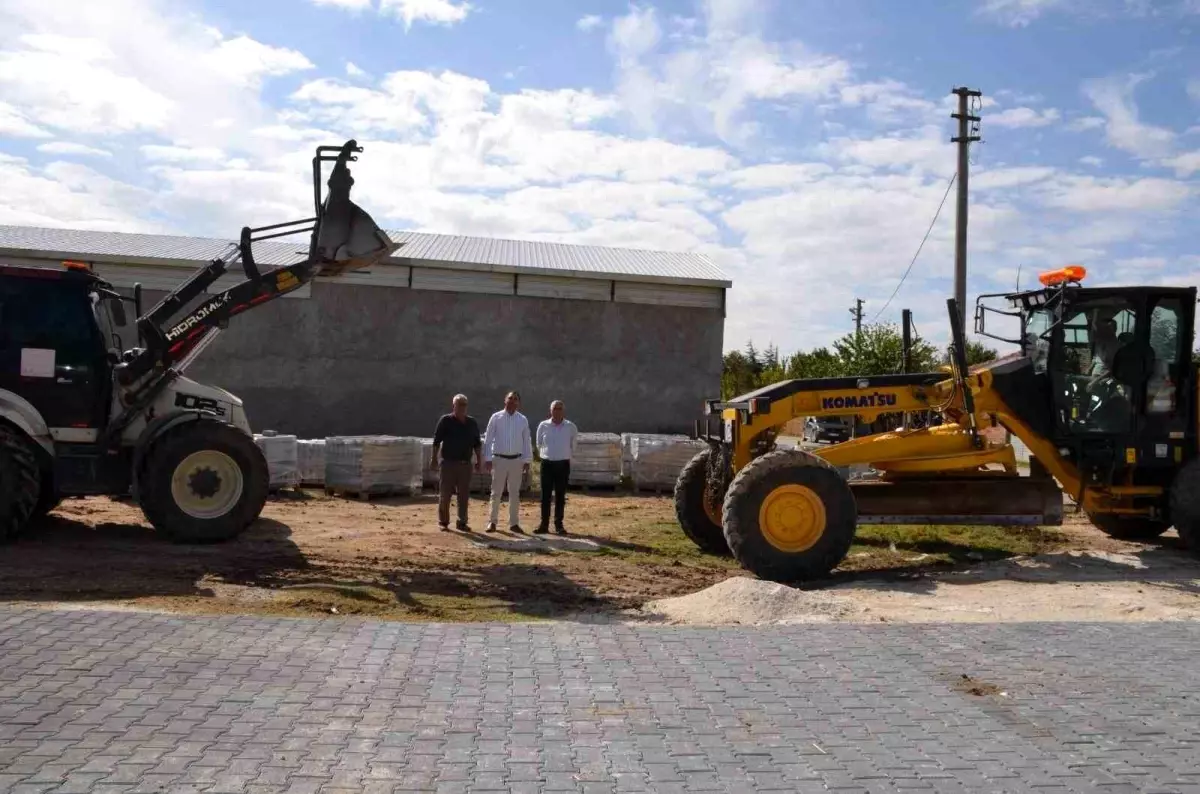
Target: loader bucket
347 237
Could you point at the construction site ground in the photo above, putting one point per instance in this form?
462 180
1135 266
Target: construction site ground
625 560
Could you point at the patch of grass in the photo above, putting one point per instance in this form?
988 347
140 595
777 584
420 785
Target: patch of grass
379 602
888 546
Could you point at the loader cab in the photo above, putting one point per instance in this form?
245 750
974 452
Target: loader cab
58 341
1113 370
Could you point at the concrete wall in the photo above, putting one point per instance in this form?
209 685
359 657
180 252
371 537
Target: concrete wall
361 360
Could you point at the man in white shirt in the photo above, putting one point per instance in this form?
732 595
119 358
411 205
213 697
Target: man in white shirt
507 453
556 444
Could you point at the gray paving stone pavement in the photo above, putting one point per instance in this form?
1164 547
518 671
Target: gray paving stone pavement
102 701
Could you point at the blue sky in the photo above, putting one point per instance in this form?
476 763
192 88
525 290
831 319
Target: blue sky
803 145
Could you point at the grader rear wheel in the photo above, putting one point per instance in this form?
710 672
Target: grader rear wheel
1185 505
700 523
789 517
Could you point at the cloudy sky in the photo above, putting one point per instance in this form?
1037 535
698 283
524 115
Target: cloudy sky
802 144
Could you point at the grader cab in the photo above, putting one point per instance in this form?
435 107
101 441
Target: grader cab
1102 391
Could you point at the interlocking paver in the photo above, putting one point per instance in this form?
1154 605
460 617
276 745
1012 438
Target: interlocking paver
107 701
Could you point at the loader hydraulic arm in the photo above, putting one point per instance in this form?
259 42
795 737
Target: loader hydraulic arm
343 238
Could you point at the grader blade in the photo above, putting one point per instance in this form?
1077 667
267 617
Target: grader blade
996 501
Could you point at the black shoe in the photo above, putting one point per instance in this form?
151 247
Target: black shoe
461 527
491 528
443 527
542 529
516 529
560 529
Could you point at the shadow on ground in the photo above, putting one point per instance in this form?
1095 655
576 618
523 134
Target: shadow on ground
1165 565
65 559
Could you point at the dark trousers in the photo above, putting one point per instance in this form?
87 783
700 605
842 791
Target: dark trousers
454 480
555 474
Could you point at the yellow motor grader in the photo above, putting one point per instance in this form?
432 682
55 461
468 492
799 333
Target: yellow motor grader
1102 392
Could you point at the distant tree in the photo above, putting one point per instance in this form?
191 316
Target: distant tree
818 363
878 350
978 353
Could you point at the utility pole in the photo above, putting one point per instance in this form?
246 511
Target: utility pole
857 313
968 133
906 351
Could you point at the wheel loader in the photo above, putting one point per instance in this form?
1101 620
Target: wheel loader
80 416
1101 390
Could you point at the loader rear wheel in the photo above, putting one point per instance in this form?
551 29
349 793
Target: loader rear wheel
1185 505
789 516
701 524
204 483
1128 527
20 482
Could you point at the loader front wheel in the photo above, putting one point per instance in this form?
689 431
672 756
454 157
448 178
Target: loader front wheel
1128 527
20 482
204 482
701 524
789 517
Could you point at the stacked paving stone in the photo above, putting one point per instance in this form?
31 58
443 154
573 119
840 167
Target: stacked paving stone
597 460
310 459
653 461
373 464
280 452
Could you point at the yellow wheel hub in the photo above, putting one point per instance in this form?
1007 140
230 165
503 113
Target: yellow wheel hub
714 515
792 518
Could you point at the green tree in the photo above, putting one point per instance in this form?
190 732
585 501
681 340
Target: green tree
878 350
978 353
818 363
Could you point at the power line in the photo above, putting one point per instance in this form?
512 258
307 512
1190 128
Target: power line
928 231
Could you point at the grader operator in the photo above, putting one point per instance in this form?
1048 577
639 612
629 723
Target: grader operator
1102 392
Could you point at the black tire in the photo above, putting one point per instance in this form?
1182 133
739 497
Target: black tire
48 496
20 482
227 448
689 507
1185 505
751 487
1128 527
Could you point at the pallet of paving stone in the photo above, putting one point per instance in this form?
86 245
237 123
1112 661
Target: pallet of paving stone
283 469
310 460
366 466
596 462
655 460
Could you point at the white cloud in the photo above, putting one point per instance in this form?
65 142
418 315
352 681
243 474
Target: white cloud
71 196
774 175
1023 117
1086 123
1113 97
1095 194
354 71
714 78
68 148
589 22
348 5
436 12
1016 13
1000 178
1184 164
14 123
1193 88
924 149
182 154
134 66
1091 160
246 61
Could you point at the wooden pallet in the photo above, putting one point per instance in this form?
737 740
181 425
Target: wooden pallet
366 496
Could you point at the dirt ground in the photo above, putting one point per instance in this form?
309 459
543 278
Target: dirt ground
625 559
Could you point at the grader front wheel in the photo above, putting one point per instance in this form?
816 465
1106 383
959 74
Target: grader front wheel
701 524
789 517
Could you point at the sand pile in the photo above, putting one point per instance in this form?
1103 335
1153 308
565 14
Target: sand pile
750 602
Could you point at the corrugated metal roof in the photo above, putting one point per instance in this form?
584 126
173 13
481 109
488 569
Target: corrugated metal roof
453 251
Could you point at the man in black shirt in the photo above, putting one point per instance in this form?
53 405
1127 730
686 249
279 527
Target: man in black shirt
456 437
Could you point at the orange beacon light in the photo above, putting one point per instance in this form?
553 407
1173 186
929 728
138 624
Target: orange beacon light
1064 275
